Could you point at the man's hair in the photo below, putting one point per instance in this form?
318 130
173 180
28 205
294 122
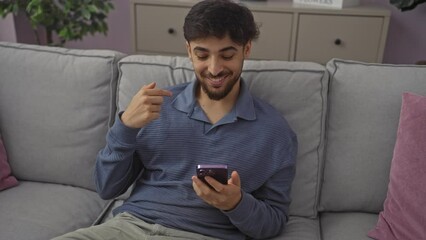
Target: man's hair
219 18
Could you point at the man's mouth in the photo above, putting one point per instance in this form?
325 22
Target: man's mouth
217 81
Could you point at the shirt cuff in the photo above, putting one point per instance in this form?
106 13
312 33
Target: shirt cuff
122 133
242 211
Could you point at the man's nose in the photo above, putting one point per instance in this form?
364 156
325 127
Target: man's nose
215 66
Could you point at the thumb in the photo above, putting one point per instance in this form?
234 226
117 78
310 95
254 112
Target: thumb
235 179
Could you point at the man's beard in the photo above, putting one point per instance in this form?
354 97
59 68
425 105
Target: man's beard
210 91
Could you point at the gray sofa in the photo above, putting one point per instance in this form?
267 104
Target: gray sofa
56 106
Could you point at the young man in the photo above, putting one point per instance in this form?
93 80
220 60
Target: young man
159 139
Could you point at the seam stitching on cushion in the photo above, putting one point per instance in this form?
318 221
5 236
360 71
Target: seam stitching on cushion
378 64
155 64
283 70
326 126
58 52
321 143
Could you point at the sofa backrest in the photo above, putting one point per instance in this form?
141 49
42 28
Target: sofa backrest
55 108
298 90
364 107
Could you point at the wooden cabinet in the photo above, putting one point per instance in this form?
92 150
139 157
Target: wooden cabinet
159 29
274 41
287 32
348 37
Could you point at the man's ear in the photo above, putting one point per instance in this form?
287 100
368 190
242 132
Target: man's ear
247 50
188 49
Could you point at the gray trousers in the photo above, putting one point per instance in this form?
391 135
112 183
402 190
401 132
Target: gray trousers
125 226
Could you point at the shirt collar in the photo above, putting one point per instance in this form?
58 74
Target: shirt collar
244 107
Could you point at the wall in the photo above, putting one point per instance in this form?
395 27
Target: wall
406 37
7 29
406 41
119 36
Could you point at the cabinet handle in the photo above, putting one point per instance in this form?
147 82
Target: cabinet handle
171 31
338 41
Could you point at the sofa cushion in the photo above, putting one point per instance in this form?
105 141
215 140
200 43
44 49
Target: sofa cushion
6 179
347 226
404 214
42 211
300 228
364 107
297 90
297 228
56 105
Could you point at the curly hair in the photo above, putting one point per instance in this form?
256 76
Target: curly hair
220 18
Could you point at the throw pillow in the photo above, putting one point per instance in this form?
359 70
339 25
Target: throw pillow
6 179
404 212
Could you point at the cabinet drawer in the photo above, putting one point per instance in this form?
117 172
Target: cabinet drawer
322 37
274 41
159 29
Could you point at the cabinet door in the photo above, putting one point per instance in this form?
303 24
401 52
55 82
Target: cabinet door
322 37
275 36
159 29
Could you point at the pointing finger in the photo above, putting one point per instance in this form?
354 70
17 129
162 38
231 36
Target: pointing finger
149 86
150 90
158 92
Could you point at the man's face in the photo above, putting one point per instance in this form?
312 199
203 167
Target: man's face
217 64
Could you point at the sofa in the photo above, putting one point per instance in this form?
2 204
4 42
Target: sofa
56 106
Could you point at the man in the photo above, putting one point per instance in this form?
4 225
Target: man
158 140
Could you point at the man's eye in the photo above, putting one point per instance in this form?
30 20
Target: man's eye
202 57
228 57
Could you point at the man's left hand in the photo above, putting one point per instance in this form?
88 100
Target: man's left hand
221 196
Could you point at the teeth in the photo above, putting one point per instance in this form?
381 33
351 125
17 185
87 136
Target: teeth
217 79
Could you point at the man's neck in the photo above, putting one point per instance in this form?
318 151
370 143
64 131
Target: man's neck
217 109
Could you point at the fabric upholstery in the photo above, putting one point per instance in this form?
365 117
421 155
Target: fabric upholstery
56 105
50 97
363 116
6 179
301 99
297 228
346 225
41 211
301 228
404 214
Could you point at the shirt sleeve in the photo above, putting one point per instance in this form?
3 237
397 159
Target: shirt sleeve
116 165
264 213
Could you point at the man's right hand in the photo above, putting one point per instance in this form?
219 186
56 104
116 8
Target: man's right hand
145 106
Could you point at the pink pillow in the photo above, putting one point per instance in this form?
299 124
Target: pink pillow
6 180
404 212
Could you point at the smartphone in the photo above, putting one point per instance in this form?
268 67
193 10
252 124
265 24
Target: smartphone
216 171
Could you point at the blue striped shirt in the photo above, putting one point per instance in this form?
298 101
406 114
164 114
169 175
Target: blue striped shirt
253 139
